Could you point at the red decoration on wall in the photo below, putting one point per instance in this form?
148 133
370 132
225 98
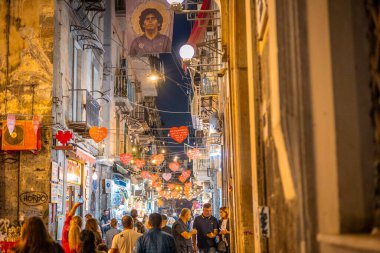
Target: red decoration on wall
126 158
98 133
167 176
140 163
174 166
193 153
179 134
63 136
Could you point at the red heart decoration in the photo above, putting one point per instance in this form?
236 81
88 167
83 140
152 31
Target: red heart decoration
186 174
156 184
145 174
157 159
179 134
174 166
140 163
98 133
154 177
188 185
182 179
171 186
126 158
193 153
167 176
63 137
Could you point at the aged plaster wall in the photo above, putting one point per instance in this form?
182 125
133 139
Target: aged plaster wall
26 64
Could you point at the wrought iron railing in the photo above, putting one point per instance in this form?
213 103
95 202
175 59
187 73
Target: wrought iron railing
84 109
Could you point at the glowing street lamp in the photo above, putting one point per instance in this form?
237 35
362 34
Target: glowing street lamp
187 53
154 76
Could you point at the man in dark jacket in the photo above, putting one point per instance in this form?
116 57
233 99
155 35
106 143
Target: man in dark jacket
155 241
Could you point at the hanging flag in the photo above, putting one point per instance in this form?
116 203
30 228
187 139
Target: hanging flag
98 133
11 123
150 28
36 124
179 134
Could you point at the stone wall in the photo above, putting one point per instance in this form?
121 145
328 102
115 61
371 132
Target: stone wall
26 74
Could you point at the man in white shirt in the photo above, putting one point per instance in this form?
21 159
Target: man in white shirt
125 241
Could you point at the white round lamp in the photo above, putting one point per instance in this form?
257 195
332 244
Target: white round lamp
186 52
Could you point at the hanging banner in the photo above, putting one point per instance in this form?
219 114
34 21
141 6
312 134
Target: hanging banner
179 134
150 28
11 123
98 133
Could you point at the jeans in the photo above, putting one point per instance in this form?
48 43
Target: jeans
208 250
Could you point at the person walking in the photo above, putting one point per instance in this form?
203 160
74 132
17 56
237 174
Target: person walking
164 226
87 238
154 240
138 225
125 241
182 233
71 230
92 225
224 229
207 227
112 232
36 239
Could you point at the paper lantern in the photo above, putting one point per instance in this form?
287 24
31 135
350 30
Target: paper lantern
98 133
179 134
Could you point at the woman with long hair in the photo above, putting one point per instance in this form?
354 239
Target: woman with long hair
87 238
71 230
92 225
36 239
224 227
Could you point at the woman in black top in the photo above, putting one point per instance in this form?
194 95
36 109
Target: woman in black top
224 227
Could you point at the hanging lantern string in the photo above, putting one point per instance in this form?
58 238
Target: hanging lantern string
155 109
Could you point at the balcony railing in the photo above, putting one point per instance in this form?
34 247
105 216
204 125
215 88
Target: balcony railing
209 87
121 86
83 111
124 93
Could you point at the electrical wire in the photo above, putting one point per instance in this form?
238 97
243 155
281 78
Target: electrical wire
155 109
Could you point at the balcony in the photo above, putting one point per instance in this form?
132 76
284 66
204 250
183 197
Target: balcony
124 94
83 111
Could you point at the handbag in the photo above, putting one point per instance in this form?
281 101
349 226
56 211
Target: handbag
221 247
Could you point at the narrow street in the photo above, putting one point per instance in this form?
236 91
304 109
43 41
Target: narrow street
190 126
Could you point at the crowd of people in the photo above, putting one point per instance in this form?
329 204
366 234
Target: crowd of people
203 234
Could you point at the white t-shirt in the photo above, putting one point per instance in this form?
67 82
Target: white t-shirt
125 241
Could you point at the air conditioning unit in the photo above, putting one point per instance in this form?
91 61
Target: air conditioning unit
22 137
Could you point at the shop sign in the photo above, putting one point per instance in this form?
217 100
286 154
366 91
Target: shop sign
33 198
54 171
108 183
74 172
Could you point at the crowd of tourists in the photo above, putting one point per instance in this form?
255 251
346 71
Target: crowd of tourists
203 234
